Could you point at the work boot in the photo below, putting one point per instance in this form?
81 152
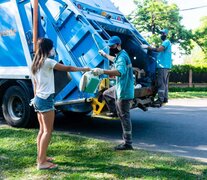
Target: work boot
142 107
123 147
165 100
158 103
112 114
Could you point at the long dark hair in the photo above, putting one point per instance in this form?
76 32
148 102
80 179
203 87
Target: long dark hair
44 46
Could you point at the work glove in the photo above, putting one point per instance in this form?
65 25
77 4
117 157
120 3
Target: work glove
97 71
144 46
102 53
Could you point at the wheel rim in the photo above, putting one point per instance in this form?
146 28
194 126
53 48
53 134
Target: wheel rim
15 108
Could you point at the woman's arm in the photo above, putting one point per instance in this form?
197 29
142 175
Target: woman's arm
61 67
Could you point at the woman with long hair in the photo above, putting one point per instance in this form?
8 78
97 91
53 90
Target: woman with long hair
43 102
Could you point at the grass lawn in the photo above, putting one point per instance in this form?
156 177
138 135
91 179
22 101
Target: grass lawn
188 92
85 158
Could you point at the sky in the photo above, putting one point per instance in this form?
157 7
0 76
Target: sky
191 18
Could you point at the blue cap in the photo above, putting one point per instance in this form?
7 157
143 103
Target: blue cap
165 31
114 40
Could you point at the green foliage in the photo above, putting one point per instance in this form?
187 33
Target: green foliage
185 68
200 35
152 16
196 58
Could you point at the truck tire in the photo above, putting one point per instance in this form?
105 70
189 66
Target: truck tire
16 109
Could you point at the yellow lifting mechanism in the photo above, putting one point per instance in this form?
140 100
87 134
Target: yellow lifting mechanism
96 104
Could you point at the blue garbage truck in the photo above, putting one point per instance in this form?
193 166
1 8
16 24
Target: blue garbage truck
79 29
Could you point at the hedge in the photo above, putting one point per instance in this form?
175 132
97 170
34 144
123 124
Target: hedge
187 89
185 68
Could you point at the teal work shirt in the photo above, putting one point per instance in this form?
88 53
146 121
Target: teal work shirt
164 58
125 82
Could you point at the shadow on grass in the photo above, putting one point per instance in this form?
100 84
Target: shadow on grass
123 172
84 158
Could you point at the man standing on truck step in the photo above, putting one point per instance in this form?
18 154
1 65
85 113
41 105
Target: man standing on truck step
123 91
164 64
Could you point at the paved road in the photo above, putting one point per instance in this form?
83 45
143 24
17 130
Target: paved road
178 128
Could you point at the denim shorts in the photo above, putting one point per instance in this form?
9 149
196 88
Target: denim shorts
43 105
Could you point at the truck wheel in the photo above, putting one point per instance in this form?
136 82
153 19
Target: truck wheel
16 109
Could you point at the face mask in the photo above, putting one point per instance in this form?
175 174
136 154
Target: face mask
114 51
52 52
163 37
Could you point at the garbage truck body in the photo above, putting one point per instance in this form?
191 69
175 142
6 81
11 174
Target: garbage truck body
79 29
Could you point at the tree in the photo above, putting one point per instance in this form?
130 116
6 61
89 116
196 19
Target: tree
200 35
154 15
198 55
196 58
